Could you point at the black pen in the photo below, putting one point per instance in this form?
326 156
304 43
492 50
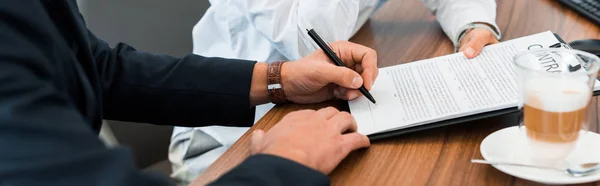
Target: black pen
335 59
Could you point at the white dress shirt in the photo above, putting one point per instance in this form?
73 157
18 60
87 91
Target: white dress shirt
274 30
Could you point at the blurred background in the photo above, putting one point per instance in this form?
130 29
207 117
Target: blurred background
149 25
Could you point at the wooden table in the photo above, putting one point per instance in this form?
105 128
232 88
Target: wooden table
403 31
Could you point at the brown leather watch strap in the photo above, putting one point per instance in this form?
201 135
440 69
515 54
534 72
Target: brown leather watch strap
274 85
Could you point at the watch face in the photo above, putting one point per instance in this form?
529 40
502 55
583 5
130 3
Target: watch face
273 86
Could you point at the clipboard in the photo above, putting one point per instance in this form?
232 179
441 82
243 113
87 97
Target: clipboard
514 110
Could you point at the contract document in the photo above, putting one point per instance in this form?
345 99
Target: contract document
447 87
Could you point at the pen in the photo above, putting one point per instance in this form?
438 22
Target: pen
335 59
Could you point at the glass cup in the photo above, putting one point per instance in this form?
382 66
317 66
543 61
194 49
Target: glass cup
556 87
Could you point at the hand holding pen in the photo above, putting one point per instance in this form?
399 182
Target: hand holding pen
337 61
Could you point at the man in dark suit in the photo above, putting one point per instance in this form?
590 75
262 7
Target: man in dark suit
58 81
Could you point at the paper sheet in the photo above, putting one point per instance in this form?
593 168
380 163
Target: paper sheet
444 87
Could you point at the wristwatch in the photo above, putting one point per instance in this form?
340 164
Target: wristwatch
274 85
470 26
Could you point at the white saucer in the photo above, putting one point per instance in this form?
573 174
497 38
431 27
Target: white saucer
510 145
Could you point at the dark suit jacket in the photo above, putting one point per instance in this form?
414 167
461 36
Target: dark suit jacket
58 81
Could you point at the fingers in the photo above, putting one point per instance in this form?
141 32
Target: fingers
340 92
366 58
327 112
474 42
369 76
344 122
345 94
363 58
256 141
474 47
341 76
358 69
353 141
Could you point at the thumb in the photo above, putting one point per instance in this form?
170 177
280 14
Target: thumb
256 141
341 76
474 47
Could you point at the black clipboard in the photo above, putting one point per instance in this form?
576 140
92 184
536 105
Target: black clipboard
388 134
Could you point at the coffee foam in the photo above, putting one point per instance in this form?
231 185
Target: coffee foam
550 151
557 94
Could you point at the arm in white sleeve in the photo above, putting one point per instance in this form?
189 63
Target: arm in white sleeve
455 15
284 22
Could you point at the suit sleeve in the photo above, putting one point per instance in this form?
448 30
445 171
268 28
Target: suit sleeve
43 137
161 89
268 170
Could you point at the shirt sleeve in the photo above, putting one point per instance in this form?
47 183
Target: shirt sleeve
268 170
43 137
284 23
455 15
161 89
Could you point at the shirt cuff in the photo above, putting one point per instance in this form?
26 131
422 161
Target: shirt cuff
455 21
464 29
